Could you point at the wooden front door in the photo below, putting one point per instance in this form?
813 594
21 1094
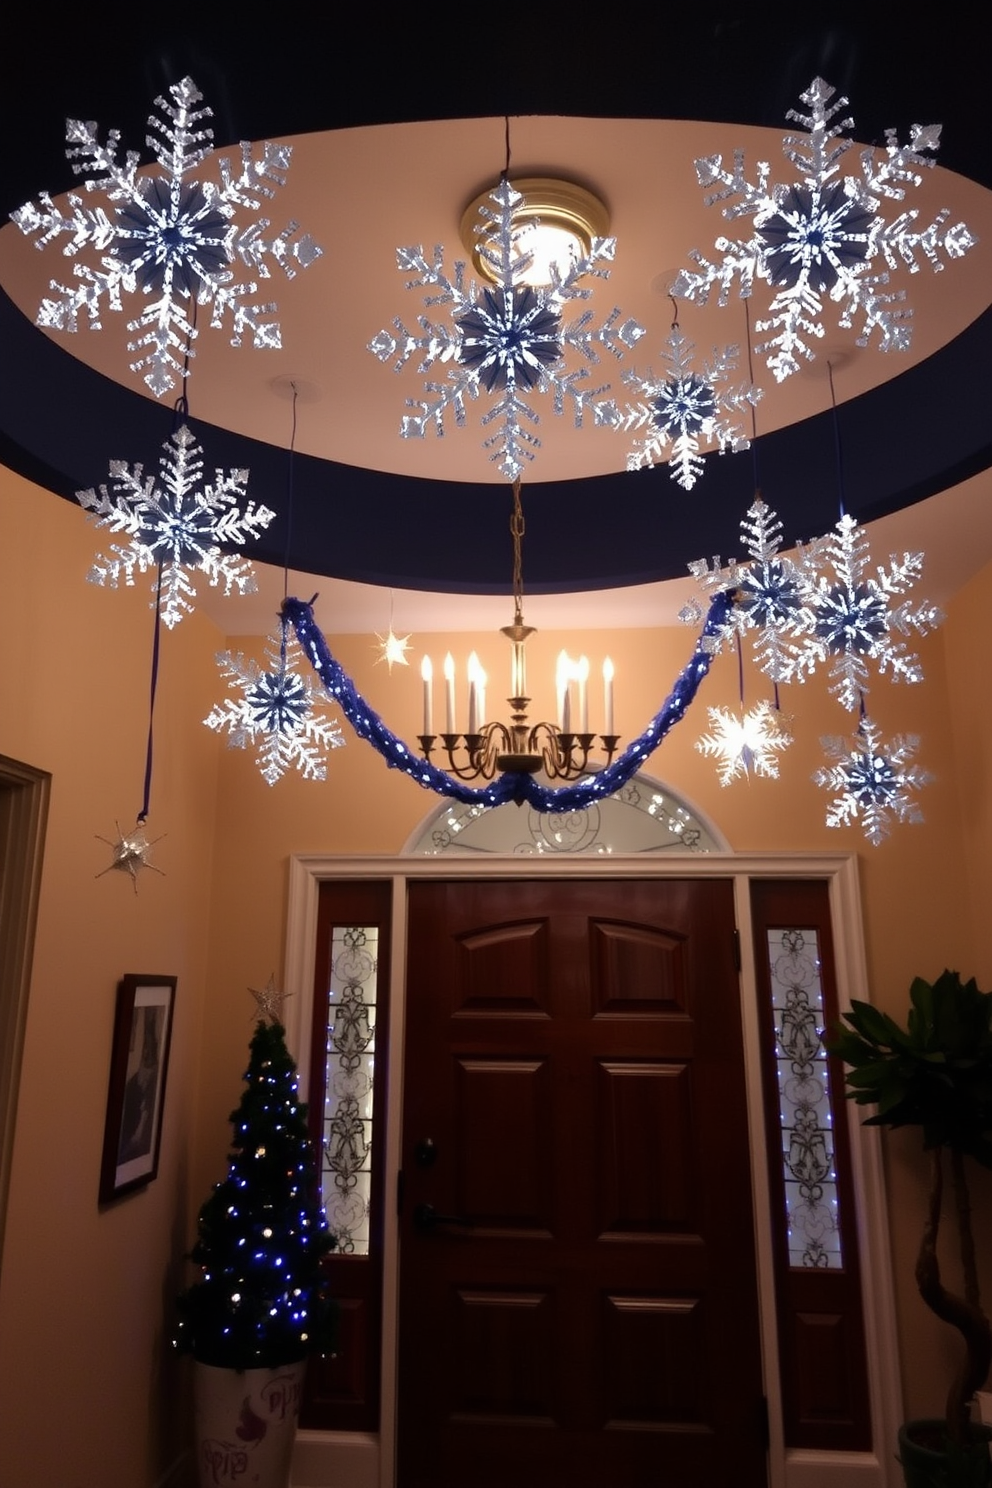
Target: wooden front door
578 1301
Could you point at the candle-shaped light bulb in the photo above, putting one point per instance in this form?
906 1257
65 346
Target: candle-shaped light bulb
608 694
427 673
582 677
449 694
561 689
473 693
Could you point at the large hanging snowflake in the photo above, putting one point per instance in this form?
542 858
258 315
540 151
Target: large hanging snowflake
176 526
276 713
770 591
874 783
823 235
167 237
508 341
848 619
682 410
747 744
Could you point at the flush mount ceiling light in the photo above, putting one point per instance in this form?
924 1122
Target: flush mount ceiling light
555 223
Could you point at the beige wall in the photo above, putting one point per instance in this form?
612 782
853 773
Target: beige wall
218 919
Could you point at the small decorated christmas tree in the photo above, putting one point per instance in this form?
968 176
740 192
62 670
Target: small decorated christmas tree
262 1232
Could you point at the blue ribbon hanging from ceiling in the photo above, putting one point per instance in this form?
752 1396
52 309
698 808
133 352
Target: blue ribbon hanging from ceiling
510 786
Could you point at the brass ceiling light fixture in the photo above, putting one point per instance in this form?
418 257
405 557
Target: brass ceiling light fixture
555 222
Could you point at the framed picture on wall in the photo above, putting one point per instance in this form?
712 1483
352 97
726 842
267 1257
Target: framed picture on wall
139 1063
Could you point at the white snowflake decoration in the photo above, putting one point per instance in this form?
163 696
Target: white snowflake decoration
823 235
507 340
276 713
770 591
848 620
175 522
167 237
682 410
874 783
747 744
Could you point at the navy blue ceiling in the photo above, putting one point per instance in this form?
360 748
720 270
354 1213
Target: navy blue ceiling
915 435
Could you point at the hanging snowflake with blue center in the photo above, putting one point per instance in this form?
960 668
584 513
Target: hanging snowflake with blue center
277 712
823 235
176 526
848 618
167 237
509 340
683 410
770 591
874 783
746 745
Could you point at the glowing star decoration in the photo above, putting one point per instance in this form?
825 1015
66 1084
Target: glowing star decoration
393 649
276 713
508 341
269 1000
178 524
769 590
823 235
131 853
848 619
167 237
745 745
874 783
681 410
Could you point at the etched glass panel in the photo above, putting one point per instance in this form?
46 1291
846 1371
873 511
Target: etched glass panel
346 1160
804 1100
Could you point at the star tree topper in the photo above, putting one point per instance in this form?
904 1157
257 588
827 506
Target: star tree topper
178 523
823 235
508 341
276 712
168 237
682 409
874 783
269 1000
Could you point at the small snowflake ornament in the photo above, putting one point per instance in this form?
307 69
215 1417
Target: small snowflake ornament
132 853
823 236
392 649
168 238
745 745
848 618
681 410
175 524
874 783
276 712
508 341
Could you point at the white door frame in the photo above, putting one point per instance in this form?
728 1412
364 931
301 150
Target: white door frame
368 1461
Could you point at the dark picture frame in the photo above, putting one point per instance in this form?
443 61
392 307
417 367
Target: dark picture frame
139 1064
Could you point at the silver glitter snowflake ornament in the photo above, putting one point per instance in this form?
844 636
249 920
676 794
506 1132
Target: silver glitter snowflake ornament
176 524
682 409
873 783
167 237
770 591
745 745
823 236
278 712
132 853
848 618
509 341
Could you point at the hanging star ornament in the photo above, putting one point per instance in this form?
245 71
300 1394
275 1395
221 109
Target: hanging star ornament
681 410
745 745
177 525
874 783
270 1000
823 236
393 649
277 713
509 341
167 237
131 853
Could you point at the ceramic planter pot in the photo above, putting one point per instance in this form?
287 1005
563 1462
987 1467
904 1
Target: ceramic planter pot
246 1424
927 1460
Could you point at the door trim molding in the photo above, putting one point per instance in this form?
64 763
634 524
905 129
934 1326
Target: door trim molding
371 1461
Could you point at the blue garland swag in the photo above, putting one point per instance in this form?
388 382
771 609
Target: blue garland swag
512 786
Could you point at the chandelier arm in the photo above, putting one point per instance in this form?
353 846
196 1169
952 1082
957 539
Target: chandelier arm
510 786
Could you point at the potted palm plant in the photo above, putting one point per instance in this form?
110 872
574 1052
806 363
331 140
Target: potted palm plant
936 1074
258 1309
